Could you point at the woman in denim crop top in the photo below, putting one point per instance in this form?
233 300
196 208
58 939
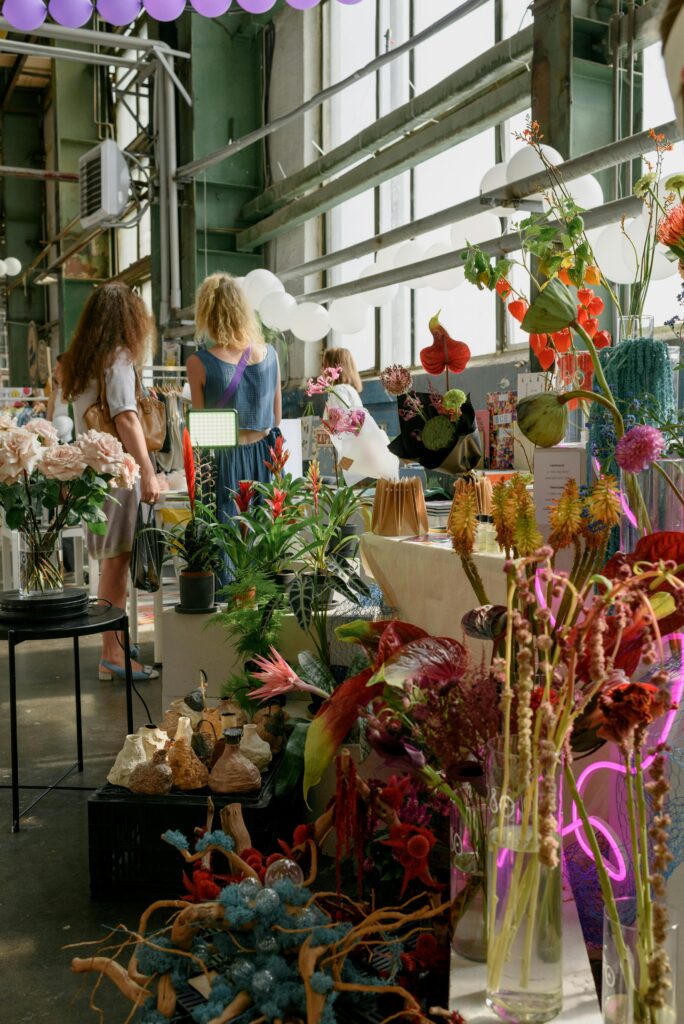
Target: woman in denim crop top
224 317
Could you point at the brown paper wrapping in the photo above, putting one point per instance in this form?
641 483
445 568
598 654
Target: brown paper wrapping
399 508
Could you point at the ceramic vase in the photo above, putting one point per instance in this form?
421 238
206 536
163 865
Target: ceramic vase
129 757
153 779
188 771
254 748
270 723
153 739
233 772
228 706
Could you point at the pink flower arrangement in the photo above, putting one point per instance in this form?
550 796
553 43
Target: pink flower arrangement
639 448
102 452
345 421
19 454
129 473
6 421
324 384
62 462
44 430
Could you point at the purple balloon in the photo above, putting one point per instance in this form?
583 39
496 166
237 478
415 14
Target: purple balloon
350 2
211 8
119 12
303 5
256 6
71 13
25 15
164 10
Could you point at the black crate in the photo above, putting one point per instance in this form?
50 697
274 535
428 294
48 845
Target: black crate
128 858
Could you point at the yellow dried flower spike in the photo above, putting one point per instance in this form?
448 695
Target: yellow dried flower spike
463 522
565 517
527 536
604 501
503 514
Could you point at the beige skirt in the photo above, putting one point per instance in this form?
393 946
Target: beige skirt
121 509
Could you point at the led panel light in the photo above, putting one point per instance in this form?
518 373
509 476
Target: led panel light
213 428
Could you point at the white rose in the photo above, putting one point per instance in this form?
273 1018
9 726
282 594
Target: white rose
62 462
129 471
44 430
102 452
19 453
6 421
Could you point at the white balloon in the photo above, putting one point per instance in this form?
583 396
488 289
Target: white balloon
609 254
407 254
260 283
492 180
310 322
349 316
444 280
586 191
276 310
479 228
12 266
636 231
240 282
384 258
527 161
3 269
376 296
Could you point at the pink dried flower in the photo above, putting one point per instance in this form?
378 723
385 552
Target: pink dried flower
345 421
396 379
278 678
639 448
324 384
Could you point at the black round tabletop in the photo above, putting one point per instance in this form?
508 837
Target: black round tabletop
97 619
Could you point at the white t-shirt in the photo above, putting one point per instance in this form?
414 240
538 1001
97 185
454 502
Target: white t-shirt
119 386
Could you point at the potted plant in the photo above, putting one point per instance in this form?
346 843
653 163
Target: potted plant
198 542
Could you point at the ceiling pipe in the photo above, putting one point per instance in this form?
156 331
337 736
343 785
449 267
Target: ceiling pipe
87 35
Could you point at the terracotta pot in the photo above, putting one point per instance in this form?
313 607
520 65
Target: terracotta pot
246 599
233 772
153 779
197 591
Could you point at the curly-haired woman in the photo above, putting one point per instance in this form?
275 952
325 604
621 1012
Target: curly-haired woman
109 345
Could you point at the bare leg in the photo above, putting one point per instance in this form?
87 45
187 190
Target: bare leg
113 587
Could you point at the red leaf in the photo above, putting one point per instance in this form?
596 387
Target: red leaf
395 637
445 353
430 659
370 634
189 466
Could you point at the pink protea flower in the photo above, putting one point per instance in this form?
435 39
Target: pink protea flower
279 678
396 379
639 448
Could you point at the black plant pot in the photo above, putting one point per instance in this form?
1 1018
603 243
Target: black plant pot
346 534
284 579
197 591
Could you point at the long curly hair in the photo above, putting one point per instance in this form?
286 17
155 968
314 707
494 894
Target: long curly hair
669 17
223 314
114 317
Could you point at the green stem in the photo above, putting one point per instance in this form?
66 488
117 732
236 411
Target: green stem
474 579
669 481
646 929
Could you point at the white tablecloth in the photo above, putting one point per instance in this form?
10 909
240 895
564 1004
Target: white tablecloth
425 581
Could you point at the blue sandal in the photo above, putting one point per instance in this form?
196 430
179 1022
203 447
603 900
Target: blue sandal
108 671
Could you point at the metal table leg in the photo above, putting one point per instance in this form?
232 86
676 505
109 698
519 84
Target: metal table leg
129 675
77 694
13 730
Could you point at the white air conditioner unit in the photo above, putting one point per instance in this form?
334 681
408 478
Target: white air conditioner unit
104 182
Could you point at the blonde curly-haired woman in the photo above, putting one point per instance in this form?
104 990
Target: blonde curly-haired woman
225 319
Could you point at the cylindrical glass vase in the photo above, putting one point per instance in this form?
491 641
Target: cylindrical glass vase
524 949
41 568
631 327
468 875
626 978
662 505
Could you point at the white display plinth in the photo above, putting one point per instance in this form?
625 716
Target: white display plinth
580 1003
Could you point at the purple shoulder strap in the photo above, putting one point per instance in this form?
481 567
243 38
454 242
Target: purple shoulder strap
231 390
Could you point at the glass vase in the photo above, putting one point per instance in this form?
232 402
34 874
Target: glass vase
664 509
524 951
625 970
468 843
41 568
631 327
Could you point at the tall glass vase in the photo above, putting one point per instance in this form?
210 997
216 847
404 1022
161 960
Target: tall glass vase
524 954
664 509
41 568
625 971
469 875
637 326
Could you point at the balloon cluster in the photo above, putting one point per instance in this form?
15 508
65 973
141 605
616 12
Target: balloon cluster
9 267
27 15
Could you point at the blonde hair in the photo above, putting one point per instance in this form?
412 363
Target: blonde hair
672 12
224 315
343 358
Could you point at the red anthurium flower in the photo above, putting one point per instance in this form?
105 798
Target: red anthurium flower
596 306
602 339
591 327
518 308
562 340
445 353
585 295
412 845
538 342
582 315
663 545
503 288
546 358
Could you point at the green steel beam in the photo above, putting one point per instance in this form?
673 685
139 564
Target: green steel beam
468 81
647 20
499 101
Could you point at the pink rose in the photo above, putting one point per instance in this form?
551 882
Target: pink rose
129 471
6 422
62 462
19 453
44 430
102 452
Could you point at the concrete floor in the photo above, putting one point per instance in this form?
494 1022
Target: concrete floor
44 900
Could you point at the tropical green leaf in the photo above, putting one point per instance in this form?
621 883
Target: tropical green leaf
292 765
313 670
552 310
302 596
